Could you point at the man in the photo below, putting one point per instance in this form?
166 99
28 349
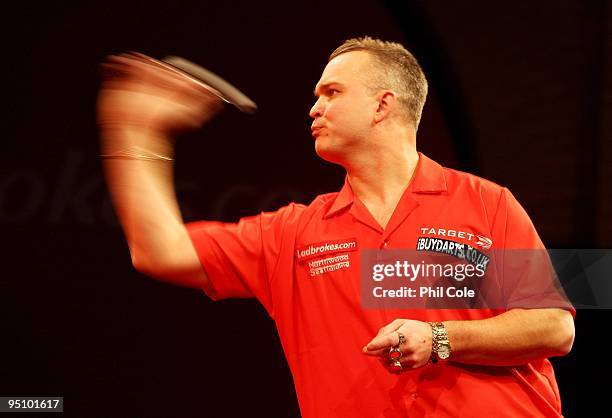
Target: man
302 262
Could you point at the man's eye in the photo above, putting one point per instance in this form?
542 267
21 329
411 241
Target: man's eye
332 92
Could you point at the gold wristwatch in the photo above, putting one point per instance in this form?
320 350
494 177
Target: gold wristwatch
440 345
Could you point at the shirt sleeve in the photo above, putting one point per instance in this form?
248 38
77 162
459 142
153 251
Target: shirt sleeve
240 258
528 276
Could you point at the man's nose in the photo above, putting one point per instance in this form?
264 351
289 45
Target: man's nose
316 109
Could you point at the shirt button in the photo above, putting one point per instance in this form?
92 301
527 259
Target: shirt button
384 244
414 395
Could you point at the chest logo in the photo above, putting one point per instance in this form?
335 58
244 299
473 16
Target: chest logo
471 251
483 242
324 257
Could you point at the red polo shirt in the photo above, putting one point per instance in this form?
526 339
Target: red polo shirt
302 263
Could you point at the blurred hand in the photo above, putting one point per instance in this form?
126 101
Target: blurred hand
140 92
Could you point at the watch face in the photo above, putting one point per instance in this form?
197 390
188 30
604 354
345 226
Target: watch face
443 351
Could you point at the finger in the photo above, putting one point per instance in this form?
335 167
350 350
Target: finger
108 69
383 352
383 341
150 75
143 67
149 69
140 56
169 68
393 326
145 59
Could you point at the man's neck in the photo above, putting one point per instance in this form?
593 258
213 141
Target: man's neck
380 181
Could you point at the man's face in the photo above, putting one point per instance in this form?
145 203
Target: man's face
344 111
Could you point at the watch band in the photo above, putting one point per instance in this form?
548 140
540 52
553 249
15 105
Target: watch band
434 345
439 336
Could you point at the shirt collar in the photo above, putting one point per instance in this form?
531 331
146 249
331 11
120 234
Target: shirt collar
428 178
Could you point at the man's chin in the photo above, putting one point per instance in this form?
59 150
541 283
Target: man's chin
327 153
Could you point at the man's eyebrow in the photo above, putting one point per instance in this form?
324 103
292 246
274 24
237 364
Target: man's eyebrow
325 86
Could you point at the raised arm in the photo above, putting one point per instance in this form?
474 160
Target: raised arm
140 107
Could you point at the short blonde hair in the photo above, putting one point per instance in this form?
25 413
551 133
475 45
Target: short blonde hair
397 70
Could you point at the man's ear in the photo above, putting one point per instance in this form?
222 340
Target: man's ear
386 102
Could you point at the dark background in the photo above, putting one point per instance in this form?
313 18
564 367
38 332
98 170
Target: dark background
520 93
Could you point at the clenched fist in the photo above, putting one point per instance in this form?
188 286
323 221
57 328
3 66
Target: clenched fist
415 350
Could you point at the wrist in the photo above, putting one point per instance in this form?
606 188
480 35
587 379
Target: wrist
135 140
